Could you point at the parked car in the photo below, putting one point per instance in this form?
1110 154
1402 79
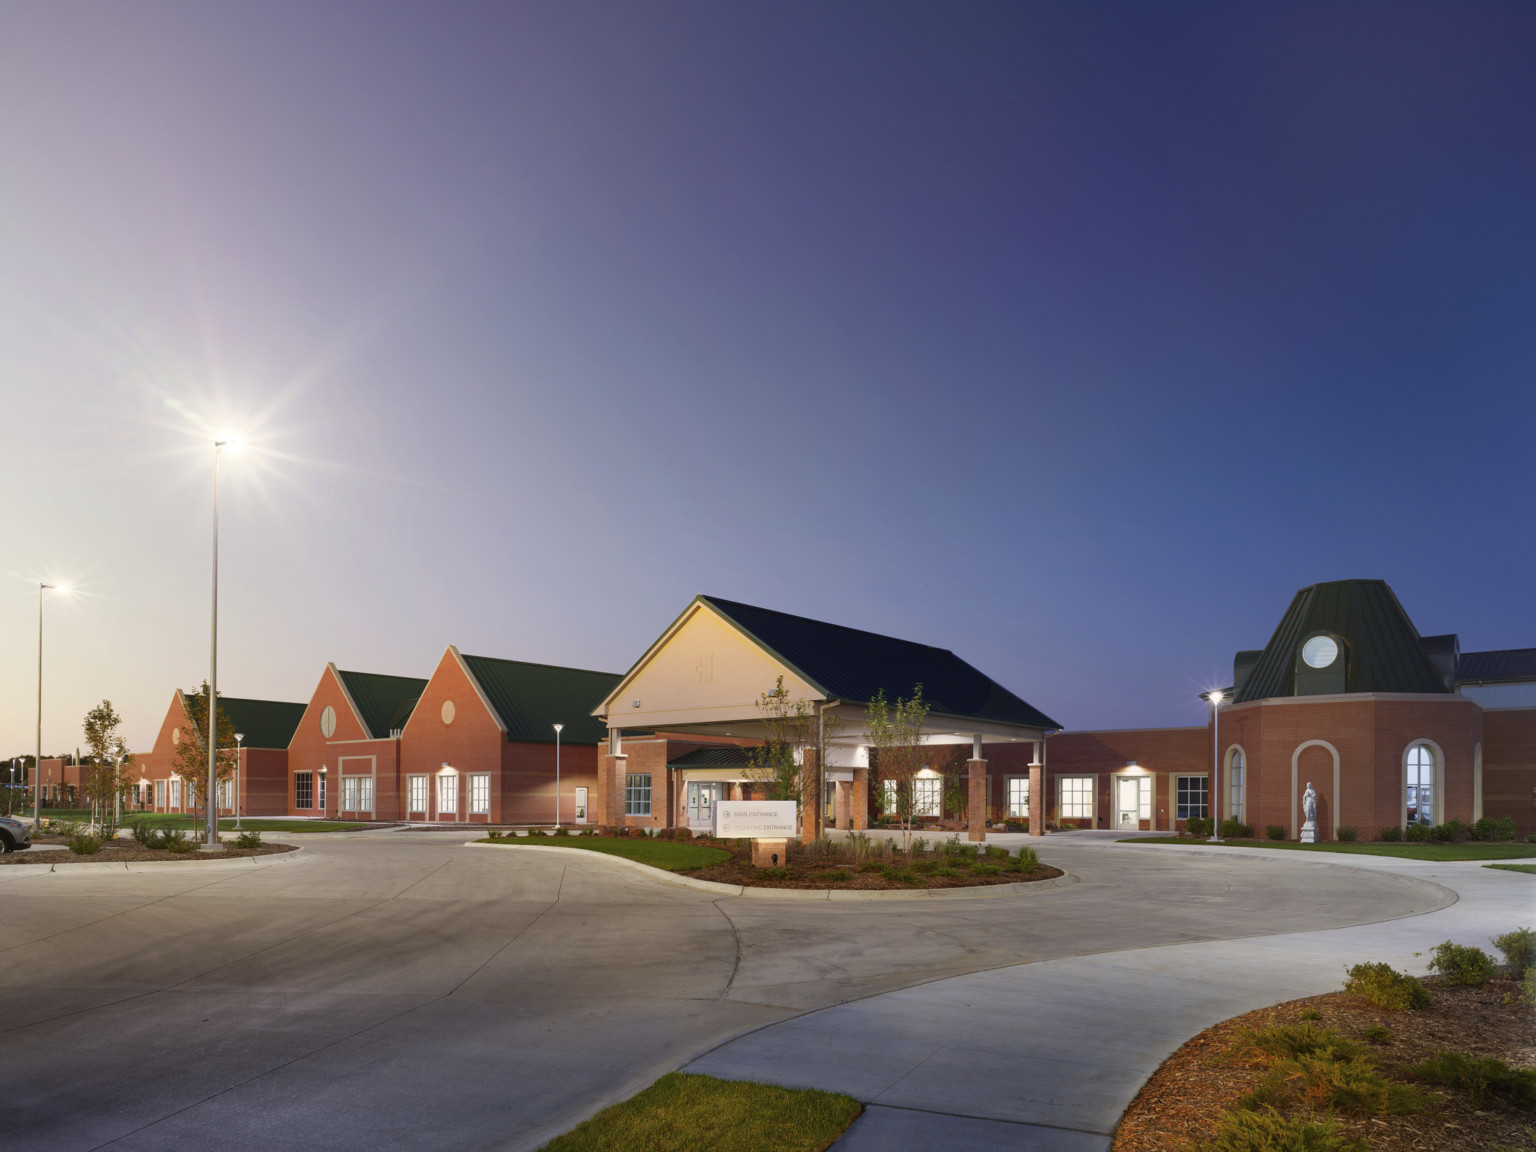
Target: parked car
14 834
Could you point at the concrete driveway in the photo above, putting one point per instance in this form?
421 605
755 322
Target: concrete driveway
398 990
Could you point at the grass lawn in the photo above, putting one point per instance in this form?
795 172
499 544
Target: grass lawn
1531 868
247 823
687 1113
1467 851
671 855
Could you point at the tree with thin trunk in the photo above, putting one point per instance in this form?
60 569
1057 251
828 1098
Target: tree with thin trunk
192 753
792 728
895 733
103 778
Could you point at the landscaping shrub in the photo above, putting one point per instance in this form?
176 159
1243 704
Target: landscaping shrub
1234 829
1275 831
872 866
682 833
901 875
143 833
1265 1130
493 835
1519 949
1385 987
1390 835
1198 826
1418 833
1027 860
1309 1014
1377 1034
1346 834
1322 1069
832 875
84 843
774 873
986 869
248 840
1481 1077
1451 832
175 840
1488 828
1277 1042
996 853
1528 988
1462 963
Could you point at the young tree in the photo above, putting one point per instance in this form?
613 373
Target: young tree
954 767
793 728
103 778
895 734
192 752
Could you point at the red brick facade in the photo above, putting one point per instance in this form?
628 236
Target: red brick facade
1509 766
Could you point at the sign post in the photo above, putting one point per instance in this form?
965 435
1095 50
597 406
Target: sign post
770 824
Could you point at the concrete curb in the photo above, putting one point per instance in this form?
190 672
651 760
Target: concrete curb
988 891
96 869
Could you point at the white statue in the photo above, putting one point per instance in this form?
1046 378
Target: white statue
1309 810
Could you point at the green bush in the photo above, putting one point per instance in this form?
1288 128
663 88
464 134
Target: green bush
1481 1077
872 866
1265 1130
1322 1069
1234 829
143 832
1347 835
996 853
1390 835
1418 833
1519 949
1488 828
1309 1014
1027 860
248 840
832 876
1528 988
901 875
1275 831
1385 987
1377 1034
1451 832
1276 1042
83 843
176 840
774 873
1462 963
986 869
1198 826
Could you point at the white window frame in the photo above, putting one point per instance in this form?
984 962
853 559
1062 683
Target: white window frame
1414 768
480 794
350 787
637 796
1082 786
1205 781
310 776
891 796
173 794
417 789
1237 783
448 794
1016 797
160 793
928 796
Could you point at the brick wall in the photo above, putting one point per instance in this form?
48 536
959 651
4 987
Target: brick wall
1509 766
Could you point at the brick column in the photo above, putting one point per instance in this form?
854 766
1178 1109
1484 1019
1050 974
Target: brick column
1037 800
860 799
840 804
810 796
976 826
611 790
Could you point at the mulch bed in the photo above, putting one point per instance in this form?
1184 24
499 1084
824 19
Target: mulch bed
125 851
802 873
1186 1097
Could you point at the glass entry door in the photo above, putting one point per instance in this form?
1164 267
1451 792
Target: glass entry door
1129 801
701 802
581 805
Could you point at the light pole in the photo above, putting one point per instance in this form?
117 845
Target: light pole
239 768
213 659
37 791
1215 696
558 727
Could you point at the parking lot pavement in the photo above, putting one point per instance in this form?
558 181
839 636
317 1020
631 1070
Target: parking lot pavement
403 991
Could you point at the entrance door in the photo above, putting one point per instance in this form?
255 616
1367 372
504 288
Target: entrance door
1128 802
701 802
581 805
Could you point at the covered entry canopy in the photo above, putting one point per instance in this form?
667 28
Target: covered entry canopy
705 673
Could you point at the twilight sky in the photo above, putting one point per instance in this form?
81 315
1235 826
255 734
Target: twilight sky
1072 337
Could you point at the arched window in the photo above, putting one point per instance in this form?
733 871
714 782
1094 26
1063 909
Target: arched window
1421 784
1235 782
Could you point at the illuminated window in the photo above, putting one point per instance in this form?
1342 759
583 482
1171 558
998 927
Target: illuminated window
418 794
1235 771
637 794
890 796
1075 797
159 793
1421 784
1192 795
447 795
175 793
1018 796
480 794
927 796
349 791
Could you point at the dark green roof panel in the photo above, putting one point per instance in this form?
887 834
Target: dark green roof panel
385 702
718 756
1385 651
264 723
532 698
853 666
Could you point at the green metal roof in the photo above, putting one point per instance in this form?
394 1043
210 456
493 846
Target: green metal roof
1386 653
264 723
532 698
717 756
386 702
853 666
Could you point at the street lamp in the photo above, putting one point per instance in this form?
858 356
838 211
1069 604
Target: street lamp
239 766
213 657
37 805
558 727
1215 696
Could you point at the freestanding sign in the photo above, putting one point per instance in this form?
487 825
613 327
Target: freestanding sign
758 819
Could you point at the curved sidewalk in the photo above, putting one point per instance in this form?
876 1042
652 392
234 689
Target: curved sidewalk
1048 1055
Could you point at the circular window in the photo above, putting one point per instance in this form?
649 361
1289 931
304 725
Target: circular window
448 711
175 735
1320 651
328 722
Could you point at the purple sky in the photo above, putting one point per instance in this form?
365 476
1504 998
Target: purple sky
1072 337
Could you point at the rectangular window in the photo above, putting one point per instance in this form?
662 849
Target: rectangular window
1192 797
175 791
1018 796
447 795
303 790
927 796
159 793
350 787
637 794
365 794
418 794
480 794
227 794
1075 797
1235 777
889 796
323 808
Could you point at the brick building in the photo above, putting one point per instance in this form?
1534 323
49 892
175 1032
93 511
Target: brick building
268 727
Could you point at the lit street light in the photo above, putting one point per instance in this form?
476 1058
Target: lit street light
558 727
213 659
239 739
37 806
1215 696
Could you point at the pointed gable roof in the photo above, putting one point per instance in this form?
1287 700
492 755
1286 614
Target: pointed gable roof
1386 653
383 703
531 699
854 666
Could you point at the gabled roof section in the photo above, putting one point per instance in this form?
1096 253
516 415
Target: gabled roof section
265 723
532 698
1487 667
854 666
1386 653
384 703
